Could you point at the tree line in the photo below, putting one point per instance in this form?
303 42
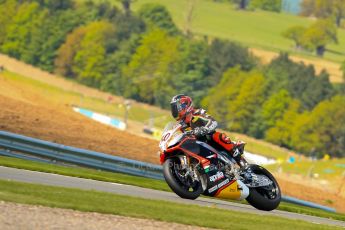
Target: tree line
144 56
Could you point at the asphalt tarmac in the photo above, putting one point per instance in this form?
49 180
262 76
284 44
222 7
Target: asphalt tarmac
87 184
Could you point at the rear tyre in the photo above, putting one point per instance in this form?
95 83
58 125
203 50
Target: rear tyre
264 198
183 187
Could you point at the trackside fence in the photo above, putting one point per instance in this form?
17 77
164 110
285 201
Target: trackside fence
14 145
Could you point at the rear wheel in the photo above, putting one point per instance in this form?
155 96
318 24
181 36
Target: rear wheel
264 198
179 180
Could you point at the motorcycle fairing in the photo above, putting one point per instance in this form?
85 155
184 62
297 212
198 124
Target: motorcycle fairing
228 189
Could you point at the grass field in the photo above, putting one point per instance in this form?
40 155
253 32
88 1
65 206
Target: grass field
137 181
143 208
260 29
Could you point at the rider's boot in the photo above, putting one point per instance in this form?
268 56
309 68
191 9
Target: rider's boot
237 151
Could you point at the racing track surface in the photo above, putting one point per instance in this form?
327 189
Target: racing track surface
87 184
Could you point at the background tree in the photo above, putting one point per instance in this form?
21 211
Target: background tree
7 12
66 53
281 133
299 80
218 98
126 5
54 5
241 4
242 109
158 16
18 32
317 131
334 9
318 35
224 54
295 33
271 111
193 76
89 60
151 71
269 5
235 99
83 55
47 38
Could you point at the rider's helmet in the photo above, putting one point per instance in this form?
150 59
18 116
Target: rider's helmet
181 107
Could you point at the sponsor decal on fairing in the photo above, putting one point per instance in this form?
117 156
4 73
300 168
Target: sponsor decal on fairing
216 177
214 188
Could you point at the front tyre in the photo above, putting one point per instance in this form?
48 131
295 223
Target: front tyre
265 198
184 186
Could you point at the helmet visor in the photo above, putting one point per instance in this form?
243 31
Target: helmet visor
174 110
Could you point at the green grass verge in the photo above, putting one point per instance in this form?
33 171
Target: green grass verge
84 173
137 181
143 208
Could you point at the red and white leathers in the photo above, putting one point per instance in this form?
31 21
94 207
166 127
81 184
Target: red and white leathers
204 126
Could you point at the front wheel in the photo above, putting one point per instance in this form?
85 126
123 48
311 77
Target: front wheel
264 198
180 181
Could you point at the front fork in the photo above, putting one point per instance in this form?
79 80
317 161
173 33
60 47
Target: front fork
192 171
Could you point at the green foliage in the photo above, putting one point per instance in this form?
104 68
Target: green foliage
295 33
313 133
194 76
315 37
151 71
26 18
54 5
7 11
113 81
83 55
66 53
235 99
318 134
269 5
223 54
272 111
158 16
249 99
299 80
281 133
334 9
318 35
90 57
218 97
127 25
47 38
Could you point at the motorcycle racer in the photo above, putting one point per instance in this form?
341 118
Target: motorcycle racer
202 125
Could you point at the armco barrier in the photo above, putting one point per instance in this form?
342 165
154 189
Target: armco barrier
28 148
33 149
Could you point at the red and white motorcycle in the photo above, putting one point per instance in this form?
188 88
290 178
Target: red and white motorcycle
192 167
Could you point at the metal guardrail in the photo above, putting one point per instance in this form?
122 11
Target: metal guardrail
28 148
19 146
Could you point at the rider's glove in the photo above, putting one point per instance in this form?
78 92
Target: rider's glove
199 131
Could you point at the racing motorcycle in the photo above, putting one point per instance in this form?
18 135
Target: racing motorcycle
192 167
